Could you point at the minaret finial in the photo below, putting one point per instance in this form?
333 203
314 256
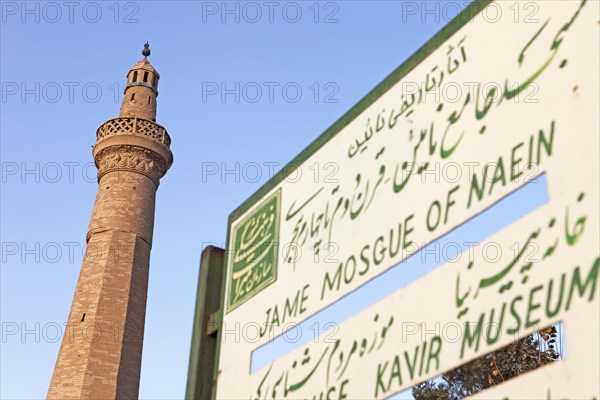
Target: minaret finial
146 51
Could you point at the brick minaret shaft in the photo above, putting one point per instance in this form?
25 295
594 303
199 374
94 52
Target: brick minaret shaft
101 352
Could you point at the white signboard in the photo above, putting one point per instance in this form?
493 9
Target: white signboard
446 219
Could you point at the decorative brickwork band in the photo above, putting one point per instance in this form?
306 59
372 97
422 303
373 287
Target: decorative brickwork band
134 126
131 158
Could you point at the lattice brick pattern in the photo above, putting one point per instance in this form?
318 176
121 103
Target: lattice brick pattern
134 126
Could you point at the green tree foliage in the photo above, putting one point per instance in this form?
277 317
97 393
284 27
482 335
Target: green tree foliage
532 352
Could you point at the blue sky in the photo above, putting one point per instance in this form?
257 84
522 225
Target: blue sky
62 72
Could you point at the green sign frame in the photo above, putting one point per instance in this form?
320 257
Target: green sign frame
196 361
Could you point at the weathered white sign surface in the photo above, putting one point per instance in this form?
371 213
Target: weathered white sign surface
450 216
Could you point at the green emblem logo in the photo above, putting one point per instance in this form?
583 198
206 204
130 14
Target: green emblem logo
254 252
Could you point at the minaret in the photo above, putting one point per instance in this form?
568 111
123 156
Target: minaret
101 352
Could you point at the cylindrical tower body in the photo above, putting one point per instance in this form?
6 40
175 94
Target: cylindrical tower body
100 355
141 92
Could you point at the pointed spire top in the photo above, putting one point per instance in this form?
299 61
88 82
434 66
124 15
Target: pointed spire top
146 51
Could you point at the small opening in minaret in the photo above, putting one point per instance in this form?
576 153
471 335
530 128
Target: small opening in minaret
154 81
132 96
134 76
148 99
83 317
108 187
146 76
